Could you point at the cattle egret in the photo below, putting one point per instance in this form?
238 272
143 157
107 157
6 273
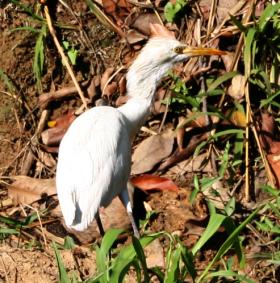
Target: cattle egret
95 153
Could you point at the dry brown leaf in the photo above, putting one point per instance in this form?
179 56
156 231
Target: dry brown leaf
134 36
53 136
109 6
151 151
110 89
227 60
143 21
105 77
122 100
26 190
160 30
274 161
122 85
148 182
237 87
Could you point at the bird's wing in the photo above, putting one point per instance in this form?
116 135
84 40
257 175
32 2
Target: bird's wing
93 164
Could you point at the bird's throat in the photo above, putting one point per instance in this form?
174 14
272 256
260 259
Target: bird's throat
136 111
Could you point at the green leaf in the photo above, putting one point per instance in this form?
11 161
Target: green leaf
266 15
227 132
229 273
230 206
173 267
68 243
238 23
221 79
269 100
247 50
170 9
63 277
214 224
226 245
126 257
141 256
195 190
188 260
108 240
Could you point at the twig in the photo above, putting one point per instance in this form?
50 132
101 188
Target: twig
111 78
39 219
34 141
64 58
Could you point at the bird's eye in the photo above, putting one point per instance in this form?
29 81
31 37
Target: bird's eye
178 49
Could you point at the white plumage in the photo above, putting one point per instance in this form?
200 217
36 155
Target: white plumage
95 153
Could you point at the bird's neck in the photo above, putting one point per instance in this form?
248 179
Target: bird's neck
142 79
136 111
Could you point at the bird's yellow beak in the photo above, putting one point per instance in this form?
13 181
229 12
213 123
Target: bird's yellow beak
200 51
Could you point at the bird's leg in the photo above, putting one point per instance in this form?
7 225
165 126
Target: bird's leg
99 223
124 197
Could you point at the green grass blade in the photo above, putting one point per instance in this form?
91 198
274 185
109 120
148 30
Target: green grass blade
101 265
126 257
227 132
221 80
63 277
188 260
141 256
229 273
247 50
7 81
214 224
27 10
11 222
108 240
227 244
173 267
266 15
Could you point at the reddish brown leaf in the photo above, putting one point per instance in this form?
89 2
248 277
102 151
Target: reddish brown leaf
148 182
53 136
109 6
133 36
110 89
160 30
105 77
274 161
122 85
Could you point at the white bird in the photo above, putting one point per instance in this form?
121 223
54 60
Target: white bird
95 153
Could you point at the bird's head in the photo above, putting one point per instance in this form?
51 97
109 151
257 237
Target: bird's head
158 56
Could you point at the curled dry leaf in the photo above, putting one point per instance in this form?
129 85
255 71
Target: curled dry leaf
151 151
105 77
110 89
122 85
228 60
148 182
274 161
160 30
143 21
27 190
133 36
237 87
53 136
